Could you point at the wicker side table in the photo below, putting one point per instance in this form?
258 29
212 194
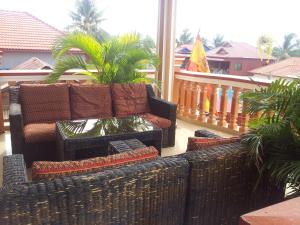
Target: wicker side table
115 147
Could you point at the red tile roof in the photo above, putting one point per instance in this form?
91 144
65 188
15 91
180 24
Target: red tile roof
33 64
235 50
284 68
23 31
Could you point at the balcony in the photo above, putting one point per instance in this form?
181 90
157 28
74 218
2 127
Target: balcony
224 117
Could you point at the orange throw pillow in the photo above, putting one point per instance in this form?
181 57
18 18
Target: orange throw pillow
52 170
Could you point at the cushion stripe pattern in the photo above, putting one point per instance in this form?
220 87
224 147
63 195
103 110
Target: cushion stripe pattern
51 170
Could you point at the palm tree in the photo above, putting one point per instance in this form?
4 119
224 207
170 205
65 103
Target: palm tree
290 47
87 19
274 138
185 38
218 40
116 60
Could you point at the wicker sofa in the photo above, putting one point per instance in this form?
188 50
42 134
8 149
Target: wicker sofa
32 125
206 187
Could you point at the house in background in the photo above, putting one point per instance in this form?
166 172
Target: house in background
33 64
287 69
23 36
236 58
187 49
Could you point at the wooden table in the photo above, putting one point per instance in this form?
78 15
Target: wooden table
284 213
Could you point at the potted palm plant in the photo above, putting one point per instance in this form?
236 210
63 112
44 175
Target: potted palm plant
116 60
274 137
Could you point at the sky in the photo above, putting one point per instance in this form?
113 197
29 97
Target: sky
237 20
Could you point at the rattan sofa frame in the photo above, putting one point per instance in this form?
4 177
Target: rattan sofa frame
47 150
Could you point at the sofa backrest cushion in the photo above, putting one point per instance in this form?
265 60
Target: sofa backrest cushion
51 170
200 143
45 102
130 99
90 101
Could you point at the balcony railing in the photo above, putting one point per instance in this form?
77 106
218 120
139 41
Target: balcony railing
190 92
225 110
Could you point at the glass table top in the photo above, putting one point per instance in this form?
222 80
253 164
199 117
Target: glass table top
103 127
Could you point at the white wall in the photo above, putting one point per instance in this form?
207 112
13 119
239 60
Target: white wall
12 59
270 77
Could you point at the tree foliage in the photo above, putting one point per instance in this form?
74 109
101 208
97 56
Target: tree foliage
290 47
185 38
218 41
274 138
113 61
87 18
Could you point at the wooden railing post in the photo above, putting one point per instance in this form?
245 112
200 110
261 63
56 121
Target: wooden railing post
176 91
213 104
1 114
245 118
188 100
223 107
234 108
182 98
203 97
193 114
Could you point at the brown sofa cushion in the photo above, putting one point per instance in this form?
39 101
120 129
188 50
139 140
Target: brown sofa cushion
39 132
90 101
156 120
45 103
200 143
130 99
51 170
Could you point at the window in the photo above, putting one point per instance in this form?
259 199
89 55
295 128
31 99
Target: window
238 67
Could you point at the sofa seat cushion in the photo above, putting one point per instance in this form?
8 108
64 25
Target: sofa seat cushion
160 122
39 132
45 103
200 143
130 99
90 101
52 170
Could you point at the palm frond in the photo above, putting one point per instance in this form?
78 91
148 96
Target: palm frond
64 64
84 42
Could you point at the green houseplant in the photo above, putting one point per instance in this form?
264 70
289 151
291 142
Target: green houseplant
274 138
116 60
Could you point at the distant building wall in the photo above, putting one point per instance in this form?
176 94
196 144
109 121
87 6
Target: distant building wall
246 65
270 77
12 59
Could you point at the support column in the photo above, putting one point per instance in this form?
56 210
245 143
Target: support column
165 45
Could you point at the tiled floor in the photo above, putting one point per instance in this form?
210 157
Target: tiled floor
183 131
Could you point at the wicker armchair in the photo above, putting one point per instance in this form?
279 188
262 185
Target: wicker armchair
163 109
148 193
222 183
208 187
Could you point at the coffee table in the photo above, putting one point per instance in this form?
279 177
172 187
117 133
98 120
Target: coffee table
90 137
